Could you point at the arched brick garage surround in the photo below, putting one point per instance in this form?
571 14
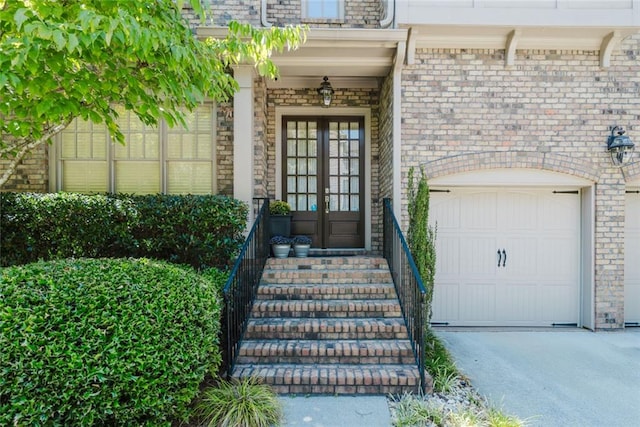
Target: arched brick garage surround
467 162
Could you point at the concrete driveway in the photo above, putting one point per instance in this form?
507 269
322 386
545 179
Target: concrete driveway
554 378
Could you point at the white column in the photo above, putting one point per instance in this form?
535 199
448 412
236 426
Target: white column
243 137
397 131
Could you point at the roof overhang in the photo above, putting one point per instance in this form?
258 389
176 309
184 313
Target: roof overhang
349 57
510 38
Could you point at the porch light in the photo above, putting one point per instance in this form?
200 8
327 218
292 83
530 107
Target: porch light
620 146
326 92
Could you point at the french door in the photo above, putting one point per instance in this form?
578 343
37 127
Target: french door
322 175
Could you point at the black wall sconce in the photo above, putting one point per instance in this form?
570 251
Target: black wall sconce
620 146
326 92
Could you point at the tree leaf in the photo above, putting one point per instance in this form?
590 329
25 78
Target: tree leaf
19 17
72 43
59 40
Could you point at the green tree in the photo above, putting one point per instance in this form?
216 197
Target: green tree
421 237
62 59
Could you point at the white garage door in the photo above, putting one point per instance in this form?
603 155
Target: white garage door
632 255
506 257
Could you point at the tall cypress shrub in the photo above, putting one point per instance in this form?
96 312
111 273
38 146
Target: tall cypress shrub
421 237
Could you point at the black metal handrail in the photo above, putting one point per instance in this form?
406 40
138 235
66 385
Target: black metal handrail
408 283
240 290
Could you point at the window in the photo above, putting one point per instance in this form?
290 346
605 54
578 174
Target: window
322 9
153 160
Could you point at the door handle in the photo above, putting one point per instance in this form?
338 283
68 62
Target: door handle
499 257
504 258
326 204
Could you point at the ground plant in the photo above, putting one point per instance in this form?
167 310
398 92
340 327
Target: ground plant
453 403
238 403
104 342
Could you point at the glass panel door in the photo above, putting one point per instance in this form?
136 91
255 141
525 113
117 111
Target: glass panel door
323 162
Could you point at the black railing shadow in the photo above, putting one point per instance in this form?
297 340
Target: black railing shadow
408 283
240 290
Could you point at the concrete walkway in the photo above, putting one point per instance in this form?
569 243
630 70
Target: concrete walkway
336 411
554 378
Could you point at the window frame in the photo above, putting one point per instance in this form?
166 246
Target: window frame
305 11
56 169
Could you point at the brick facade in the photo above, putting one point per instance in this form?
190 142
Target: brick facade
32 174
463 110
357 14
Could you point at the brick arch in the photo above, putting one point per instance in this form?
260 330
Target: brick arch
577 166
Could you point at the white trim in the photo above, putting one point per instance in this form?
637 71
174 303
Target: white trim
390 14
263 14
587 258
511 46
634 183
243 131
521 177
331 37
333 111
53 159
299 82
519 12
397 131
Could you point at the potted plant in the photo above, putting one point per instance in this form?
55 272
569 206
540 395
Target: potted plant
301 246
280 245
280 218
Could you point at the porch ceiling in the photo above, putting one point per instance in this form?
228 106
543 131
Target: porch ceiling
349 57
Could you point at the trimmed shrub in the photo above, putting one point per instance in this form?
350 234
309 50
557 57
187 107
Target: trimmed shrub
217 277
104 342
63 225
201 231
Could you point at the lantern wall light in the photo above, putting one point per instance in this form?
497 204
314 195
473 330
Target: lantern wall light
620 146
326 92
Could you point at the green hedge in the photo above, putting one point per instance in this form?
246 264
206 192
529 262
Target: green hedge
104 341
197 230
200 231
62 225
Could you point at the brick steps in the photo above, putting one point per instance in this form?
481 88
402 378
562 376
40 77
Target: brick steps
325 291
330 325
327 351
326 276
312 329
327 308
334 378
328 263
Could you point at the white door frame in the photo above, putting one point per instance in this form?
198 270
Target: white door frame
364 112
631 186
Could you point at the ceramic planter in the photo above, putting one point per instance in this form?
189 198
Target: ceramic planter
280 251
301 251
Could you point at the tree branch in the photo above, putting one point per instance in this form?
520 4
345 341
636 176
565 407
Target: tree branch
27 147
